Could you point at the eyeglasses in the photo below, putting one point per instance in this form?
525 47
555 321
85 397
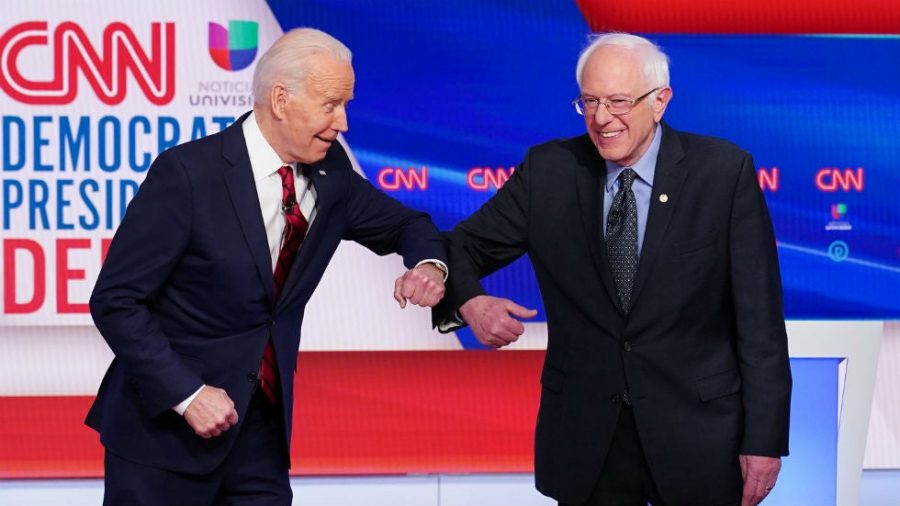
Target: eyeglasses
615 106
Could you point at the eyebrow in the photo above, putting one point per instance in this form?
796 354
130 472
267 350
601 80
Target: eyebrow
614 95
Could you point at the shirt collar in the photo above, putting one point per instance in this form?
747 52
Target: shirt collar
263 159
645 166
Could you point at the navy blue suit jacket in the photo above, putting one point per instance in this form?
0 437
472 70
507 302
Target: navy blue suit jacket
185 296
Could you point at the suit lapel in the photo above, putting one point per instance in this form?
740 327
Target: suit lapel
667 181
589 183
245 200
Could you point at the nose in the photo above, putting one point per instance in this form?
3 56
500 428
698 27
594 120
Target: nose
340 122
602 115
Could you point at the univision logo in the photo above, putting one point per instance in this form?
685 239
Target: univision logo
838 223
233 48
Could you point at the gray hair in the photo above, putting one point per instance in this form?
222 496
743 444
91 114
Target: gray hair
656 63
288 60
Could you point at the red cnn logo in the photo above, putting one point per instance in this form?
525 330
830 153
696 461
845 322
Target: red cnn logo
830 179
768 179
485 178
394 178
73 53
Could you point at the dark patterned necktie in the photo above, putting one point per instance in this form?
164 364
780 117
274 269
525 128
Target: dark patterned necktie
621 238
294 230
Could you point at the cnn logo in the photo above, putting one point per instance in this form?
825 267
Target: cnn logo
73 55
831 179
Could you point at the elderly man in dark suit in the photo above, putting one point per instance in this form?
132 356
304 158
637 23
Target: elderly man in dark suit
666 377
203 292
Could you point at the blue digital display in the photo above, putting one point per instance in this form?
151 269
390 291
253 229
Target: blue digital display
457 87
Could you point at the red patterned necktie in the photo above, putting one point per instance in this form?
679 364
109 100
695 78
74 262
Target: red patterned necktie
294 230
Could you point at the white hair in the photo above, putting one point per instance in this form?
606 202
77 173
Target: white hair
287 60
656 63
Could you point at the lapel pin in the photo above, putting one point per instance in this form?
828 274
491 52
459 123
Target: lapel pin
321 172
663 198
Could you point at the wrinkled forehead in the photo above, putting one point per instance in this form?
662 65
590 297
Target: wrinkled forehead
614 69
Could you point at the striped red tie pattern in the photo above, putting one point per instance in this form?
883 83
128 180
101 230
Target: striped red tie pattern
294 230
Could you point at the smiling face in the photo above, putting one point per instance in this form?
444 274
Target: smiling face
307 121
615 72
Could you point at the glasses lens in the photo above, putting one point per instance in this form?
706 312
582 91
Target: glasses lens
618 106
579 106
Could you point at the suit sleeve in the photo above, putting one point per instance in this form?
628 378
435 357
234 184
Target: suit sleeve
762 339
145 249
384 225
492 238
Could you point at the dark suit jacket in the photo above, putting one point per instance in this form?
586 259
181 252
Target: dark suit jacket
185 296
704 350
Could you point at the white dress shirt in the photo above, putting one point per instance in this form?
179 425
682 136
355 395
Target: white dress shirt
265 164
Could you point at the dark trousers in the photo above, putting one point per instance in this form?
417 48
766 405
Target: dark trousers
255 473
625 479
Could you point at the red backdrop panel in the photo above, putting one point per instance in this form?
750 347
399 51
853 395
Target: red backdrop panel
355 413
743 16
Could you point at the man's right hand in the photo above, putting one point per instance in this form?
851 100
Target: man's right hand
491 319
211 413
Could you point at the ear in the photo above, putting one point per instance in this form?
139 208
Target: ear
662 101
278 99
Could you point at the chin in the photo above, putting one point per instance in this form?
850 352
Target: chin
609 154
606 150
312 157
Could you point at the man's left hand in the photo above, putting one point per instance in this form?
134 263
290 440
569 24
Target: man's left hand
759 475
422 285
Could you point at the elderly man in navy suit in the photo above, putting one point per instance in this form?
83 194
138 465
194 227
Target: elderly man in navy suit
203 292
667 377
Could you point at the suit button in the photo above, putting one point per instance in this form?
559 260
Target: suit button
627 345
614 398
252 377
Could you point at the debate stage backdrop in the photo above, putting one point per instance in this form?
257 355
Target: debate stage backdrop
449 96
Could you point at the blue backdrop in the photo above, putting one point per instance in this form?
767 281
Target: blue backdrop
455 85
